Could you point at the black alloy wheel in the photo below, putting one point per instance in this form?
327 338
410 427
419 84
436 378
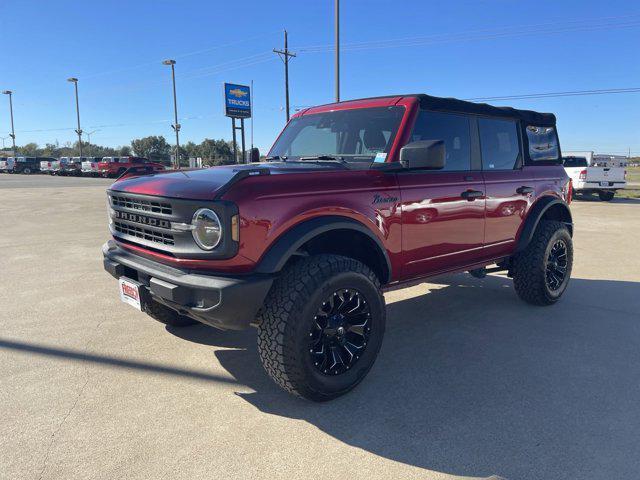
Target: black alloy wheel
556 267
340 332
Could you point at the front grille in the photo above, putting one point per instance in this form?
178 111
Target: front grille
141 205
144 233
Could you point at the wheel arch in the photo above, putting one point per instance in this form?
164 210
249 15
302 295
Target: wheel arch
547 208
328 234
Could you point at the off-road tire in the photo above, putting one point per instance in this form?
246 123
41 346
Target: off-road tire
606 196
529 266
288 315
166 315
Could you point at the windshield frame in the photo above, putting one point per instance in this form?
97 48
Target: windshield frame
403 107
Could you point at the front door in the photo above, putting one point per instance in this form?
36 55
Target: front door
443 211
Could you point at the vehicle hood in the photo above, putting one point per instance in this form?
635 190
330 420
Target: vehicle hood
202 184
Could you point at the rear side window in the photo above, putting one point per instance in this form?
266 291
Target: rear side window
543 143
499 144
570 162
453 130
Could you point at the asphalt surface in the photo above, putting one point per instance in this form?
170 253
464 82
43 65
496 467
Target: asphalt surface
470 382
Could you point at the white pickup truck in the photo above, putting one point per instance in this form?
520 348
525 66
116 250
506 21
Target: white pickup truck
587 179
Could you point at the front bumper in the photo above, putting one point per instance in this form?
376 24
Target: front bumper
228 303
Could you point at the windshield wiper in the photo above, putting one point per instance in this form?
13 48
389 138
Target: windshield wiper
324 159
275 158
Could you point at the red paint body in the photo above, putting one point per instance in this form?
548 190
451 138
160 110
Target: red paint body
111 169
428 229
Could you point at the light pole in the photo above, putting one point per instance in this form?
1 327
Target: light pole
337 28
13 133
79 130
3 139
176 125
91 133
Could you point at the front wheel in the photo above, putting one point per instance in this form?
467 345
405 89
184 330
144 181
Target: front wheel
606 196
322 326
541 272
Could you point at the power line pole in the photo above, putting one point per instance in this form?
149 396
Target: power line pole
284 55
13 133
176 125
337 32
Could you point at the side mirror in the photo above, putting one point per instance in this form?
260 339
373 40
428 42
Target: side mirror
255 155
423 154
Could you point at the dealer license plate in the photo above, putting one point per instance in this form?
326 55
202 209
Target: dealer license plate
130 292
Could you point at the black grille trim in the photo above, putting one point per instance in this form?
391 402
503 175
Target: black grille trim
151 235
141 205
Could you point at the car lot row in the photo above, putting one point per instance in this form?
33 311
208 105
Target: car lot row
76 166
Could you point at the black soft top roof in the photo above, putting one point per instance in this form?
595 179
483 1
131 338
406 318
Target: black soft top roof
454 105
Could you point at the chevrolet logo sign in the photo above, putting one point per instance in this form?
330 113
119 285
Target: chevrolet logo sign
237 92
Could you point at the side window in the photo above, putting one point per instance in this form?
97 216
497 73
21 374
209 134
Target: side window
543 143
453 130
499 144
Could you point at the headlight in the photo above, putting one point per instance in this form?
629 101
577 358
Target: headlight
207 229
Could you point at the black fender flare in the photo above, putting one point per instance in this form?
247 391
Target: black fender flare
288 243
535 215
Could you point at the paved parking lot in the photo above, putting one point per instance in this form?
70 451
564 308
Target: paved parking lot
471 382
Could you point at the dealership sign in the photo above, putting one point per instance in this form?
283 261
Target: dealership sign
237 101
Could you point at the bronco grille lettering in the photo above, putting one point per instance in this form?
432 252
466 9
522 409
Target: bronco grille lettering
136 218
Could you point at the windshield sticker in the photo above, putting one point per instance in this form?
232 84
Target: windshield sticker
380 157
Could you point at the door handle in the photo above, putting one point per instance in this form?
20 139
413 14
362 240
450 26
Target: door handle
524 190
471 195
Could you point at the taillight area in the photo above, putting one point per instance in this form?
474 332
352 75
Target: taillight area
569 195
583 175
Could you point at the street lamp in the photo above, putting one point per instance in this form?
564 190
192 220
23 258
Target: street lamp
176 125
91 133
79 130
13 133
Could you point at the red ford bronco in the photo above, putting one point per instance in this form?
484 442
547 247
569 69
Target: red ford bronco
354 198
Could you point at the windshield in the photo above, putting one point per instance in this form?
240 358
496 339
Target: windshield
359 135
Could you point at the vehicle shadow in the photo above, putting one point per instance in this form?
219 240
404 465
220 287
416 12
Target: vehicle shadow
471 381
594 198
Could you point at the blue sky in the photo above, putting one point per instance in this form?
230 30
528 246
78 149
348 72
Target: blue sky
465 49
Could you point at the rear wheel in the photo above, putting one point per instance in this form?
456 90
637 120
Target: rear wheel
166 315
606 196
27 171
541 273
322 326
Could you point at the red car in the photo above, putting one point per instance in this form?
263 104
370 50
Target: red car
354 198
116 166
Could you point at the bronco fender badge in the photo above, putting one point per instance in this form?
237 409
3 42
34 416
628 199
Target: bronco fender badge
378 199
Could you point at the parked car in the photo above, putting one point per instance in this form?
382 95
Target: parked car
3 164
72 167
355 197
28 165
116 166
588 179
90 165
50 165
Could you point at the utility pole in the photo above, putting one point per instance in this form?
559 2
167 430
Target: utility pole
13 133
252 115
337 32
176 125
78 130
284 55
91 133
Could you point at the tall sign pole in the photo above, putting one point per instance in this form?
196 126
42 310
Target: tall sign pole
337 32
237 104
284 55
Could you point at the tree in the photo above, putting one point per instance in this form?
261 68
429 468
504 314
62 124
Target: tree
215 152
30 149
152 147
124 151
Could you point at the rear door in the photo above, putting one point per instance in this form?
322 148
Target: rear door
442 228
510 186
